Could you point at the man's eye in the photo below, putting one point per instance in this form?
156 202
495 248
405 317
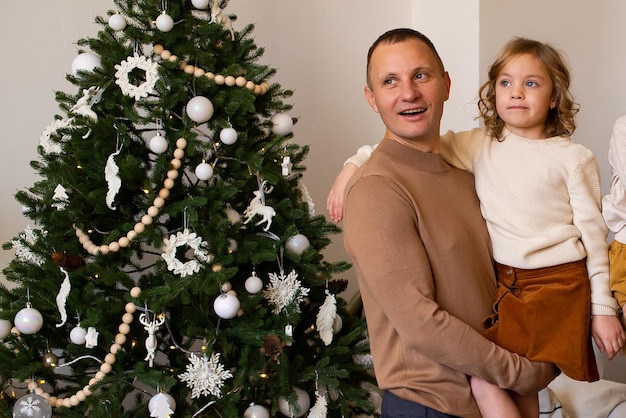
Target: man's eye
420 76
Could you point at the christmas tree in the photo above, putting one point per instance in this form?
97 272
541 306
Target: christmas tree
174 266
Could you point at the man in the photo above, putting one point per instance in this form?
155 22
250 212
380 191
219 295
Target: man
421 250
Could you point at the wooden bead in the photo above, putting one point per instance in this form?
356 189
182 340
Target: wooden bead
74 400
175 163
240 81
166 54
124 242
172 58
146 219
120 339
219 79
127 318
124 329
106 368
172 174
131 235
229 81
181 143
164 193
104 249
199 72
81 395
158 48
135 292
139 227
179 153
168 184
114 246
158 202
189 69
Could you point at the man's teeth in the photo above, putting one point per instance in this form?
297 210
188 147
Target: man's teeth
412 111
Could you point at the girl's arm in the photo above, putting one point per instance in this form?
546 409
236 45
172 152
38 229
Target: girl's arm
334 201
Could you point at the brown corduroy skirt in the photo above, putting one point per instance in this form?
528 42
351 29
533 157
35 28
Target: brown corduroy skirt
545 315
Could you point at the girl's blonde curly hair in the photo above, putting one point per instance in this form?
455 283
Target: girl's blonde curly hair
560 120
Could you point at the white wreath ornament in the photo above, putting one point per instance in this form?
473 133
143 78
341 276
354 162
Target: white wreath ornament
125 67
191 240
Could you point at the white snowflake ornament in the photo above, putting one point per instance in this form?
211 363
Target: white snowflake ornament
205 376
22 251
283 291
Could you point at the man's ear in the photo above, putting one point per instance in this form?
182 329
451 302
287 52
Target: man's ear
369 96
448 83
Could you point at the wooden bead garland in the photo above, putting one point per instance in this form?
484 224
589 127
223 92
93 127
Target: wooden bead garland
147 219
219 79
105 367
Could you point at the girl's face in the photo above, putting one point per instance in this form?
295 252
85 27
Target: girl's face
524 96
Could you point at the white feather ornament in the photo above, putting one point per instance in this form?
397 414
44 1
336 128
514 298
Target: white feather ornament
326 318
320 409
113 179
61 298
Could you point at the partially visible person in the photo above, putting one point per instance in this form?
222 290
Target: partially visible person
421 249
614 212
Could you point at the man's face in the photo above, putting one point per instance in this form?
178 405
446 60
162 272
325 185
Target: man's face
408 90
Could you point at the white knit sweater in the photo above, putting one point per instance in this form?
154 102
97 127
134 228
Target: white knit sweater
614 204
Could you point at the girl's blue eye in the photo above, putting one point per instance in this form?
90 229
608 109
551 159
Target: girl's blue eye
504 83
531 84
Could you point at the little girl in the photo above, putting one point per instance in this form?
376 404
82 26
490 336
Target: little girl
540 196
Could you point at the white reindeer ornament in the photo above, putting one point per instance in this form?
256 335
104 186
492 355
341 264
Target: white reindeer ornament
257 207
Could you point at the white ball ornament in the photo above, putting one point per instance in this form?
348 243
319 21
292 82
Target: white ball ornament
117 22
204 171
5 328
228 136
281 123
28 320
256 411
32 405
164 22
85 61
303 401
78 335
253 284
297 244
226 306
199 109
158 144
200 4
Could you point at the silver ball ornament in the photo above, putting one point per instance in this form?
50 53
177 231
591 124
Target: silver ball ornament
226 306
256 411
85 61
164 22
204 171
117 22
28 320
281 123
297 244
199 109
228 136
158 144
32 405
302 400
